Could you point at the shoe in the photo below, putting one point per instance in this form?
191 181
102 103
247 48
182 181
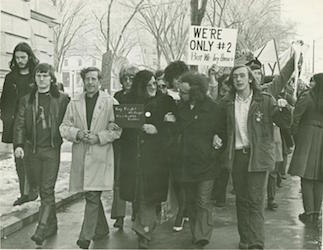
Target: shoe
39 236
305 218
243 245
98 237
256 247
143 243
32 197
83 244
220 204
21 200
272 205
179 224
201 243
118 223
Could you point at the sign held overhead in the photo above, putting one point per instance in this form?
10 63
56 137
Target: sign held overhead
211 45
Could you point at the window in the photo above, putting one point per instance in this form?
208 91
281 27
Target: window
93 62
66 62
66 79
80 62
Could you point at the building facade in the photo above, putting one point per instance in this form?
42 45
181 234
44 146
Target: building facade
30 21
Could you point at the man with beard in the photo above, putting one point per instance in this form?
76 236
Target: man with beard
18 82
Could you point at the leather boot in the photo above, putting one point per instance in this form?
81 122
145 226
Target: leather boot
52 223
39 235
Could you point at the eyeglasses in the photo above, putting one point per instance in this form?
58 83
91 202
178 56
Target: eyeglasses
127 78
162 86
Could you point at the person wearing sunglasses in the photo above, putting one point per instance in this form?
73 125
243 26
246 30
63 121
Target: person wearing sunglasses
118 211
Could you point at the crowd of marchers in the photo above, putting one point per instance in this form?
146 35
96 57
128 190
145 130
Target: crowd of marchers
198 131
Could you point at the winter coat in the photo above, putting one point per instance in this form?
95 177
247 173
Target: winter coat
25 124
143 161
262 114
196 159
307 128
9 103
92 165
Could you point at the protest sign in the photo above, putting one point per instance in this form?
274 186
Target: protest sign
129 115
211 45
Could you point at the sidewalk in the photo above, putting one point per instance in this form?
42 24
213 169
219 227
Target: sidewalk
13 218
283 229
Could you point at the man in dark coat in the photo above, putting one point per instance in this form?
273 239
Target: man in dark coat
38 141
18 82
197 121
250 115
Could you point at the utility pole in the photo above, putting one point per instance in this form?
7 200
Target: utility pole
313 68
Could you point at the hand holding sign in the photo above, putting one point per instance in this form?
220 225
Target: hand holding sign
149 129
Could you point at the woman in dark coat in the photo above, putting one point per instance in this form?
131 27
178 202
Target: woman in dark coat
143 171
197 121
307 161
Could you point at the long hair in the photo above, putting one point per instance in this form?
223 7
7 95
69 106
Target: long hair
32 59
198 83
45 68
317 91
254 85
138 89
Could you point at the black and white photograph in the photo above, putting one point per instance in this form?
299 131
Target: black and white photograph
161 124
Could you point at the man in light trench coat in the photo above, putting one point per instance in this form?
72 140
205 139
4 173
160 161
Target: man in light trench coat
89 124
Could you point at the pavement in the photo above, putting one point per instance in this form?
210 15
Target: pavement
13 218
283 229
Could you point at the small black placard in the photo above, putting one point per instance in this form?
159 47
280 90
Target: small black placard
129 115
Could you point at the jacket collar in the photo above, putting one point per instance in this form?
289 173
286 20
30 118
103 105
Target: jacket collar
81 108
230 97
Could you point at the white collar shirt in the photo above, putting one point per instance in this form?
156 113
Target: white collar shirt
241 108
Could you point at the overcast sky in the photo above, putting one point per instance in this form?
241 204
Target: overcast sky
309 17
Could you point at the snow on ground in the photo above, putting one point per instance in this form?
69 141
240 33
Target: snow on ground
9 186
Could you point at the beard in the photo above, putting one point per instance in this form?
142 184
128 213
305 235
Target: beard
22 65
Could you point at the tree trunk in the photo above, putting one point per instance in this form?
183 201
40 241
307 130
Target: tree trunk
106 71
158 55
196 19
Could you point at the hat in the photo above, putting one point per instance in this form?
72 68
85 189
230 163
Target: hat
254 64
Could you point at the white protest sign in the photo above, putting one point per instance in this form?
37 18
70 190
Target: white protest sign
211 45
